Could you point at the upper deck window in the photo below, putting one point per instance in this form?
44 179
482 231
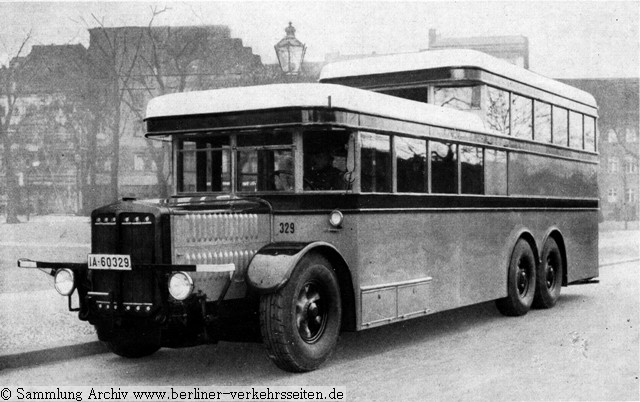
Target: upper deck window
521 117
589 133
419 94
497 110
575 130
560 124
542 122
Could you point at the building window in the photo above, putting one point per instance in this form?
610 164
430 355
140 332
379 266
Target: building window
143 163
630 196
630 165
631 135
612 195
613 165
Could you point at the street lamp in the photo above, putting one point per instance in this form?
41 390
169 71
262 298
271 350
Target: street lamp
290 52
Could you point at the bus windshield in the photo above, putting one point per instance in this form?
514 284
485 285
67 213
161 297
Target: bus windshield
265 162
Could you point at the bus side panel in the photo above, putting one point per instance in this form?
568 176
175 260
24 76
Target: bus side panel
464 256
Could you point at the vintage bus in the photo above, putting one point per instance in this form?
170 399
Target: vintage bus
304 210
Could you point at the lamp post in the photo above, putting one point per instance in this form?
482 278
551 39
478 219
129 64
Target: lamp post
290 52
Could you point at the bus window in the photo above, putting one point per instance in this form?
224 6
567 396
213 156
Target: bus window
265 162
575 130
497 110
326 162
411 160
495 172
461 98
375 166
560 123
522 120
444 167
542 122
203 165
471 170
589 133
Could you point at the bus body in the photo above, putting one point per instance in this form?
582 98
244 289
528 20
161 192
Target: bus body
305 209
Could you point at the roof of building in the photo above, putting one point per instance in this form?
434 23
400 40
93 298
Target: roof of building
451 58
279 96
479 41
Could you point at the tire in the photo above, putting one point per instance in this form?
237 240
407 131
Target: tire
130 342
521 281
550 272
300 322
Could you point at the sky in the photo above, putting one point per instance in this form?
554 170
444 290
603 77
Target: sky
567 39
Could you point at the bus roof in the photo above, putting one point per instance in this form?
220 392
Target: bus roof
451 58
280 96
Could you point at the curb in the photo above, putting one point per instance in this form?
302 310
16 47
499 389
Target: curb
607 264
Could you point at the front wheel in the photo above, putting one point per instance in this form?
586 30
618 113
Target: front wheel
131 342
549 276
521 281
300 322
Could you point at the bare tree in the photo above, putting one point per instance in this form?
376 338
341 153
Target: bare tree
12 82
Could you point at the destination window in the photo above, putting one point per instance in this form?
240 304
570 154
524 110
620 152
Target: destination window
560 126
522 119
471 170
542 122
444 167
375 166
411 162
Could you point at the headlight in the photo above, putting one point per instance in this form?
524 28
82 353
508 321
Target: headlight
180 285
336 218
64 281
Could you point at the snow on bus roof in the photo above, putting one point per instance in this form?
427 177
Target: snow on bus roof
452 58
278 96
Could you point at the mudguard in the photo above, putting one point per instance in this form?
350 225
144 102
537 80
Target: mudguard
273 264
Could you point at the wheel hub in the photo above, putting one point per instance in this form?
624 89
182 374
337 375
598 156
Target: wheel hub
310 313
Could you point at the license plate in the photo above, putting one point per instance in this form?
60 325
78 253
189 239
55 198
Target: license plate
120 262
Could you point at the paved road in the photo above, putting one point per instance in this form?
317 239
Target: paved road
586 348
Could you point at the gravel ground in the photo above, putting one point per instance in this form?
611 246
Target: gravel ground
34 316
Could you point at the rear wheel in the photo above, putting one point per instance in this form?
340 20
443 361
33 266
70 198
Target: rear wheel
549 276
300 322
130 341
521 281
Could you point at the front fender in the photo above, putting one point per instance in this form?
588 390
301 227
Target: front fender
273 264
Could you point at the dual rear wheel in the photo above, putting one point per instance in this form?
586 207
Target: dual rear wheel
529 283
